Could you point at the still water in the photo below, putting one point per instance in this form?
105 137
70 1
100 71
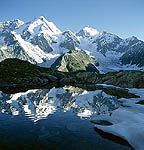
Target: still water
54 119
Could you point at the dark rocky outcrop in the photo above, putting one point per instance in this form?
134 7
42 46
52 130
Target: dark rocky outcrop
125 79
110 90
15 72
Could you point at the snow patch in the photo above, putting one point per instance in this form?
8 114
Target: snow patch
127 121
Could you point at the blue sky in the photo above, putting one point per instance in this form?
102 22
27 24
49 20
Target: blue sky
122 17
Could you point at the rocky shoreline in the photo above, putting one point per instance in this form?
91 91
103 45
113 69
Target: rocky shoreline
17 75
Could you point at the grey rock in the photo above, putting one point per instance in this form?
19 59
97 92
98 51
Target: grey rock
48 76
68 80
52 78
43 41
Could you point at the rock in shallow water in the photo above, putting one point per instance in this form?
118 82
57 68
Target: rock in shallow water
102 122
113 138
140 102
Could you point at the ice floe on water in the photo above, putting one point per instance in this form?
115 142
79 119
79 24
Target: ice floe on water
127 121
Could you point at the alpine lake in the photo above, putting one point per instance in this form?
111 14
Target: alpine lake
58 119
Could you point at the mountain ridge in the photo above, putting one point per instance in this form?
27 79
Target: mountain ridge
41 42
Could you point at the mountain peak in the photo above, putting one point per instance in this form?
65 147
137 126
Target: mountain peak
90 30
37 26
11 25
87 31
44 24
41 18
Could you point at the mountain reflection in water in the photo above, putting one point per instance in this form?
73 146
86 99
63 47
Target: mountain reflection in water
38 104
57 118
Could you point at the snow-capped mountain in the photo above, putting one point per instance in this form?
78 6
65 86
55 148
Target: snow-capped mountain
36 27
41 42
29 41
87 32
70 41
39 32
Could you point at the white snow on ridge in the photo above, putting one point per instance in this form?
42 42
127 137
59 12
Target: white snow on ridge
36 53
109 37
33 51
40 22
91 31
87 33
39 25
